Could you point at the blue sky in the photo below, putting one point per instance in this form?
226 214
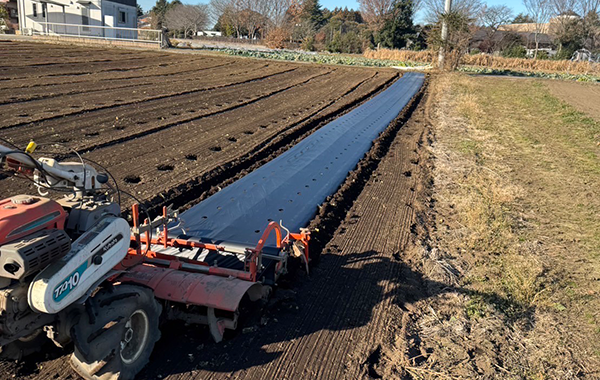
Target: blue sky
515 5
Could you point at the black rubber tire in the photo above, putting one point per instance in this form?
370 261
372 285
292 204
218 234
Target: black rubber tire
25 346
114 339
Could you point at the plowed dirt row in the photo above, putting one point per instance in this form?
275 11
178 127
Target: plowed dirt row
150 69
124 64
163 120
61 68
221 138
72 105
73 72
328 326
112 80
120 123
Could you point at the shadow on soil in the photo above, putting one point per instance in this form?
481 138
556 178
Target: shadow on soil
341 294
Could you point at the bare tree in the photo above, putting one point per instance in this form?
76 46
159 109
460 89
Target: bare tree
585 7
562 21
494 16
539 11
562 7
277 12
490 18
227 12
190 19
589 11
250 16
576 20
253 22
434 9
375 11
561 10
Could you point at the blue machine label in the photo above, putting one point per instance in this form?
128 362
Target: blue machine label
69 283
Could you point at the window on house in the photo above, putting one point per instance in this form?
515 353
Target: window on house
44 8
122 17
85 17
34 10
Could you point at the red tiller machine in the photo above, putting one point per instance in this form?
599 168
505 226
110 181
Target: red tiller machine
74 270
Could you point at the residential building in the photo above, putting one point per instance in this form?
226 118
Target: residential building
494 42
83 17
209 33
145 21
547 28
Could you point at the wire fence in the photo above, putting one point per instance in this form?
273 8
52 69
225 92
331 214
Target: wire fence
108 33
247 41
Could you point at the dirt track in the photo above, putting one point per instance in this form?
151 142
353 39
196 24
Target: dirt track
129 110
328 326
583 96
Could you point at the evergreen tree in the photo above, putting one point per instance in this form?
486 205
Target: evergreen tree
160 9
398 27
523 19
312 13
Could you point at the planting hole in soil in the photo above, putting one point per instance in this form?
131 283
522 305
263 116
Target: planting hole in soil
132 179
164 167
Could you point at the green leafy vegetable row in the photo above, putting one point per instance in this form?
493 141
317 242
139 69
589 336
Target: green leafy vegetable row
328 59
535 74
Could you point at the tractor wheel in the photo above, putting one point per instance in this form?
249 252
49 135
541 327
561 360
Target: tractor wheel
114 339
24 346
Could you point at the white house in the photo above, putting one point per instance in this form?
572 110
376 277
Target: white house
84 17
209 33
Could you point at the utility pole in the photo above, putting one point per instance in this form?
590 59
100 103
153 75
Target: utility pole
442 53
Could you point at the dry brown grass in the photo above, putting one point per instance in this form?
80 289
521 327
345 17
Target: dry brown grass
427 56
486 60
513 173
506 181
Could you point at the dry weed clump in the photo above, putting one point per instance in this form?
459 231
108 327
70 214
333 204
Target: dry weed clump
562 66
277 38
426 56
493 62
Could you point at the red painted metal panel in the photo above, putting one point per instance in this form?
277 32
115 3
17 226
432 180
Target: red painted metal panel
223 293
20 219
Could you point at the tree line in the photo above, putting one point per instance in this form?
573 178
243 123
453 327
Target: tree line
387 24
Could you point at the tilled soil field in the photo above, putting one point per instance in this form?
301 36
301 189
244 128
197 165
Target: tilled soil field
583 96
329 325
169 126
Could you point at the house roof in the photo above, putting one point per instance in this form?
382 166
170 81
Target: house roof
524 27
528 38
131 3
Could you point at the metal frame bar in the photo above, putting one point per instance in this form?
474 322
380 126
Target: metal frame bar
253 259
49 27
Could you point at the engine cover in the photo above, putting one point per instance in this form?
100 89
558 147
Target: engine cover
33 253
23 214
91 257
